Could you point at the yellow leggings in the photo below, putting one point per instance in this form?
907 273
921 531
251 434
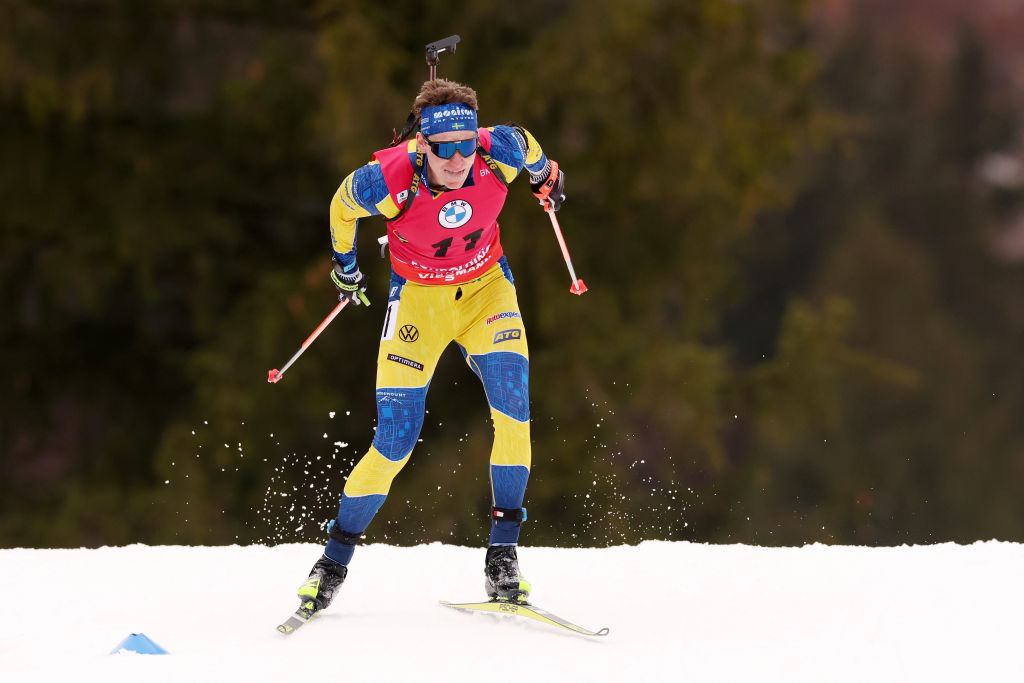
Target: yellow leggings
483 318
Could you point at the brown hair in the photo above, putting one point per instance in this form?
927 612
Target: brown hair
443 91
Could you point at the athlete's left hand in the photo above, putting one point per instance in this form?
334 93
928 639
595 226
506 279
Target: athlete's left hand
550 188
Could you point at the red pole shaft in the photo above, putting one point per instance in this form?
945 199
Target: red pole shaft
275 375
558 236
577 284
327 321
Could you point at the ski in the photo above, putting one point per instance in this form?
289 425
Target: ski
300 617
523 609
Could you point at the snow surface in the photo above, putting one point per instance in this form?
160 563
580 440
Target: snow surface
677 612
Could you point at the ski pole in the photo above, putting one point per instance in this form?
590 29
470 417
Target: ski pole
275 375
577 284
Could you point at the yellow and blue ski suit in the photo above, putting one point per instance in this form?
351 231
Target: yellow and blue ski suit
450 282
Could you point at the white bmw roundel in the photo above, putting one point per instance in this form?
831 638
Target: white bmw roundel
455 214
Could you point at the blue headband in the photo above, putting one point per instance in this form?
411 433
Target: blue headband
446 117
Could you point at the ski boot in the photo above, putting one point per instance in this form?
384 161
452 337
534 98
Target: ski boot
503 582
324 579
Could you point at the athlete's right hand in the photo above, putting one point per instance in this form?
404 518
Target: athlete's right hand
350 284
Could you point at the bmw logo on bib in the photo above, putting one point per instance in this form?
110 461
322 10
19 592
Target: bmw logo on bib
455 214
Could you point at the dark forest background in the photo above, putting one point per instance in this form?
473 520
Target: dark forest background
802 227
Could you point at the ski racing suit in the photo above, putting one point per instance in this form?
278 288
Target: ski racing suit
450 282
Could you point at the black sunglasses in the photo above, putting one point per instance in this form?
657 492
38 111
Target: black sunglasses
446 150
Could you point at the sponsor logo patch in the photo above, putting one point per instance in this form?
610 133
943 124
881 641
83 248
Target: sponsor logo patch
503 316
506 335
455 214
405 361
408 333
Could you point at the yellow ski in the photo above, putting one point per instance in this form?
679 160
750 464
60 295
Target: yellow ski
523 609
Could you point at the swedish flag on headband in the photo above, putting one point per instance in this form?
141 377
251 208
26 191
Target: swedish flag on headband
446 117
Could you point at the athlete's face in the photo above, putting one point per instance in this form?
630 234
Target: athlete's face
450 173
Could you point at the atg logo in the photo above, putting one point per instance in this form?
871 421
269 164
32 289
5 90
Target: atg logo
506 335
455 214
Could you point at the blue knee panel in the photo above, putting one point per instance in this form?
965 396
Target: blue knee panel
506 378
354 515
399 420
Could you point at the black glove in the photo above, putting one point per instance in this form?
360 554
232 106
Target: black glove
549 186
351 285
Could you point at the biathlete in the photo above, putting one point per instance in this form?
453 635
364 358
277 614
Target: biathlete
441 195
